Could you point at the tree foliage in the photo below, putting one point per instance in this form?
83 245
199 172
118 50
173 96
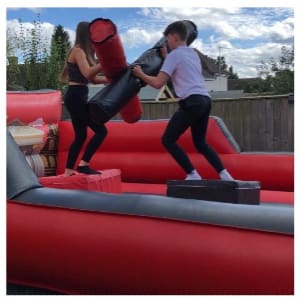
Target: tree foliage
34 56
41 66
232 74
12 74
277 76
60 46
221 63
223 68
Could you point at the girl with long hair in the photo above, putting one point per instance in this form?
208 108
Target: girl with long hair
80 69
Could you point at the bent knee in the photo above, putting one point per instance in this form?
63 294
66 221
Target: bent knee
167 141
80 137
100 131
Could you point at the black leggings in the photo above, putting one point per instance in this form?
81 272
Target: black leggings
193 112
75 100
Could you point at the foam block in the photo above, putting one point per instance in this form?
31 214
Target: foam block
243 192
108 181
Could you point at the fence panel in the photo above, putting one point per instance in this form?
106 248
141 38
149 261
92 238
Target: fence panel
264 123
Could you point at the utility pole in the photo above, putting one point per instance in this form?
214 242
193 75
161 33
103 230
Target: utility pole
221 47
219 60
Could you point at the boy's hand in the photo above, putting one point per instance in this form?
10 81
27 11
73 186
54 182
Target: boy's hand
137 71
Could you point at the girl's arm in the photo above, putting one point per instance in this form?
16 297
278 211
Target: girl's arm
99 79
83 65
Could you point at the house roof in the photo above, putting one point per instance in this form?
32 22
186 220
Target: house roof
209 67
149 93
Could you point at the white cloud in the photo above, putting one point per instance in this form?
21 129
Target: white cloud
16 31
135 37
246 61
232 26
231 23
251 35
227 30
282 31
72 35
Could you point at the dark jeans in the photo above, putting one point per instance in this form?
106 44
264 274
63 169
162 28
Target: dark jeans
193 112
76 102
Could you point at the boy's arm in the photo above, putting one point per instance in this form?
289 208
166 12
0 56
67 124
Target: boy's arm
156 82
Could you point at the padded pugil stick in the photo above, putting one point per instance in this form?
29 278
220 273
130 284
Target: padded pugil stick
110 52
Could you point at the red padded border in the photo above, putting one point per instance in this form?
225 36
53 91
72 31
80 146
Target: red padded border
29 106
97 253
145 136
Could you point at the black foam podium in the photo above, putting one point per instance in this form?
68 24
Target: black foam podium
242 192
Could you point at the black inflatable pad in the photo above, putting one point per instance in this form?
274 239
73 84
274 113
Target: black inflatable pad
243 192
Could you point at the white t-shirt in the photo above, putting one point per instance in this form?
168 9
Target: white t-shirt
183 65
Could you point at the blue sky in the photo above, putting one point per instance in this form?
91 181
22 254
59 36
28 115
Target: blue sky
245 36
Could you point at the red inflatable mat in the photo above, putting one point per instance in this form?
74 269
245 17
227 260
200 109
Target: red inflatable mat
108 181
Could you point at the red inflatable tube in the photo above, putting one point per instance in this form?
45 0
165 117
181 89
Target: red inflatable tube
133 111
110 52
83 252
42 103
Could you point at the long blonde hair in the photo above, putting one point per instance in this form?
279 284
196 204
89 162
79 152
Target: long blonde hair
82 40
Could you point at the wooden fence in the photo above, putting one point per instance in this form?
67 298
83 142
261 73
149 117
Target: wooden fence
259 124
264 123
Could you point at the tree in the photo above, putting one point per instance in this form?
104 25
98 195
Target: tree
223 68
61 38
231 74
12 67
279 74
283 82
60 46
221 63
12 73
286 60
34 56
40 69
256 85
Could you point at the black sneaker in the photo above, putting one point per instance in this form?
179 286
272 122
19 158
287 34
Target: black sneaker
87 170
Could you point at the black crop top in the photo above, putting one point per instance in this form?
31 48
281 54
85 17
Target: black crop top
75 75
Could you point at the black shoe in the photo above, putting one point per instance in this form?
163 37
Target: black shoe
87 170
